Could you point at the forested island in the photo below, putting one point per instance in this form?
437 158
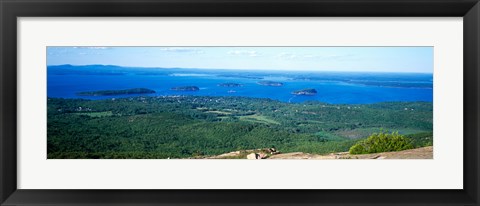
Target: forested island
201 126
185 88
230 84
308 92
270 83
116 92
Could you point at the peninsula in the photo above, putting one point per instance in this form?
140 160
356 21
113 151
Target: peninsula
116 92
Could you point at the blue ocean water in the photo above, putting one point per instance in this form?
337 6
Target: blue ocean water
332 87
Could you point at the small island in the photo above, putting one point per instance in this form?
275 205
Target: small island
270 83
229 84
307 92
116 92
185 88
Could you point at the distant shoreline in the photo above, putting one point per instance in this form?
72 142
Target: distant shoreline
188 96
236 69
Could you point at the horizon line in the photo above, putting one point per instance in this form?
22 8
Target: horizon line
253 69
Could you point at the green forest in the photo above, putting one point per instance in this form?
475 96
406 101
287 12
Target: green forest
195 126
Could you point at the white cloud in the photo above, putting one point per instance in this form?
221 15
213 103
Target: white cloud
97 47
249 53
286 55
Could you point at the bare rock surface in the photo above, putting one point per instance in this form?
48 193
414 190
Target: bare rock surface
418 153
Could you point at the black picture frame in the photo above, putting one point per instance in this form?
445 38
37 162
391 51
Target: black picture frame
10 10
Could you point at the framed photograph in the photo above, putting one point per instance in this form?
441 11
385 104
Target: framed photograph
163 102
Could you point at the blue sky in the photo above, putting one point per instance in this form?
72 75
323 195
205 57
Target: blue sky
372 59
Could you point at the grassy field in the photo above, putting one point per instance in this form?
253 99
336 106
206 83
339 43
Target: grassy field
258 119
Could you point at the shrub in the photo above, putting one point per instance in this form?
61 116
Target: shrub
382 142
